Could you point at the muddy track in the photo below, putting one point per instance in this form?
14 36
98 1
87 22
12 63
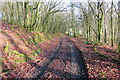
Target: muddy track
65 63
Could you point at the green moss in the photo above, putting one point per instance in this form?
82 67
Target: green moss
19 60
39 37
1 31
2 58
10 52
34 41
12 27
14 66
5 70
17 35
101 76
95 43
48 37
26 42
21 55
102 73
36 52
102 55
86 42
116 60
36 37
21 38
6 48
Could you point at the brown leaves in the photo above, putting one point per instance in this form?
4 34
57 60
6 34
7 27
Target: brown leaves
19 41
98 67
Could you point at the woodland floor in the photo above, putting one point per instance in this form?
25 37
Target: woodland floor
99 66
62 57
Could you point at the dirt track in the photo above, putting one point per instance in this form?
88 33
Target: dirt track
66 62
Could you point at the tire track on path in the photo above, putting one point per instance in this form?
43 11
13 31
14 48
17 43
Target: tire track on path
66 63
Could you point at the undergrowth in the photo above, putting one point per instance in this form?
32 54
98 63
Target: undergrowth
40 37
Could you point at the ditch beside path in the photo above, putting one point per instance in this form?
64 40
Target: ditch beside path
65 62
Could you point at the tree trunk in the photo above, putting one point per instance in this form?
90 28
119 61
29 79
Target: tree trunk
119 29
111 24
25 14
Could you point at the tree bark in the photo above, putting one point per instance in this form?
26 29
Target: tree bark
112 24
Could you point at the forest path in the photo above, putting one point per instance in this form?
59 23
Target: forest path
65 62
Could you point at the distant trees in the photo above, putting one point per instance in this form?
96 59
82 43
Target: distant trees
99 21
35 16
98 15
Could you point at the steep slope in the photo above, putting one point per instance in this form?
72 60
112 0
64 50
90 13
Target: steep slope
21 49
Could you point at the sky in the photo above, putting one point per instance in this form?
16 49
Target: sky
93 0
67 1
0 15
